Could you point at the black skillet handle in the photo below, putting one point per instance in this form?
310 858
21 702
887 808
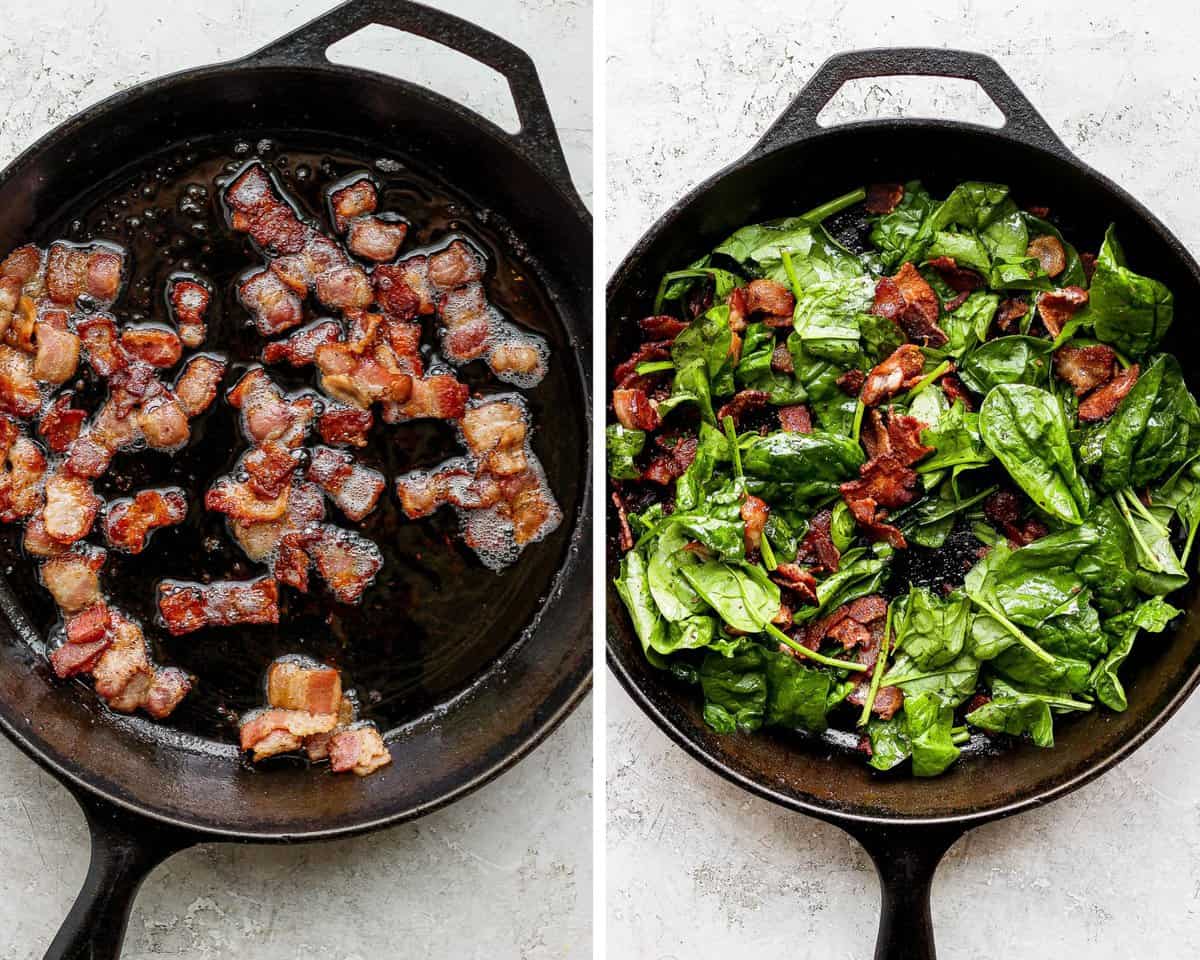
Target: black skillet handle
125 848
906 859
537 137
1022 121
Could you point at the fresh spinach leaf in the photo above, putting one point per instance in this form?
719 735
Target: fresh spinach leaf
1125 309
1014 359
893 234
742 596
930 630
1153 616
633 587
797 696
735 688
890 745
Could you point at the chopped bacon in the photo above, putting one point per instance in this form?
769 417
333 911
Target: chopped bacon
884 197
38 543
24 264
187 606
899 437
240 500
862 613
61 423
156 346
272 304
1088 260
110 430
1009 312
73 578
1103 402
781 359
817 549
755 514
71 506
74 658
887 700
797 579
851 382
90 624
167 689
299 349
130 521
436 397
647 352
57 348
357 199
187 303
163 422
196 386
517 359
738 310
354 488
1085 368
666 467
898 372
402 289
99 336
274 731
10 300
661 327
743 402
346 561
1049 252
267 415
19 394
72 271
268 469
360 749
624 531
795 418
455 266
296 686
769 297
1056 307
955 392
468 320
256 208
1003 510
362 378
21 471
919 315
957 278
634 410
345 426
884 482
376 238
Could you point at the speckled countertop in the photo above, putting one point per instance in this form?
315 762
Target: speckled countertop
698 868
506 872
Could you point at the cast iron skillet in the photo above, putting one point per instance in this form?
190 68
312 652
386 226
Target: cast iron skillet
906 824
146 794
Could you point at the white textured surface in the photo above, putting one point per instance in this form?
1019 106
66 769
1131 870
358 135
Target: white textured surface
698 868
505 873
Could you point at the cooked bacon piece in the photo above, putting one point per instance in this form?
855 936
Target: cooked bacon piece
187 606
646 353
769 297
272 304
1089 264
887 700
795 578
495 432
884 197
61 423
156 346
743 402
918 317
1003 510
1103 403
257 208
240 500
19 394
345 426
163 422
72 271
71 507
666 467
283 542
781 359
270 732
755 514
884 482
1085 368
57 348
360 749
376 238
521 360
456 266
10 300
848 623
661 327
268 469
22 467
624 531
356 199
1056 307
898 372
297 686
98 334
955 392
360 378
187 303
167 689
739 308
1049 253
26 265
956 278
634 410
402 289
196 386
130 521
112 429
267 415
469 322
73 578
346 561
437 397
354 488
851 382
38 543
1009 312
74 658
89 625
795 418
345 288
817 549
299 349
899 437
21 324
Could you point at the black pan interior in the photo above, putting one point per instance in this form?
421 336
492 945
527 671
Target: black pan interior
462 665
825 775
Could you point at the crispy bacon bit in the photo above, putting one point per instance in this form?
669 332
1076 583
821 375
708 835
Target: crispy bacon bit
267 415
899 437
884 197
73 578
156 346
19 394
1049 252
884 483
1103 403
851 382
61 423
360 749
769 297
661 327
1056 307
163 422
898 372
71 507
781 359
361 378
72 271
1003 510
1009 313
22 468
89 625
956 278
346 561
624 531
299 349
919 315
187 304
168 688
755 514
743 402
354 488
1085 368
129 522
738 310
402 289
345 426
376 238
817 549
955 392
862 613
455 266
186 606
357 199
196 386
123 675
99 336
437 397
1089 264
678 454
795 578
887 700
296 686
634 410
272 304
270 732
57 348
74 658
795 418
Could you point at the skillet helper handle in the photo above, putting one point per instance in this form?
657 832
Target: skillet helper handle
307 46
905 859
1021 119
125 848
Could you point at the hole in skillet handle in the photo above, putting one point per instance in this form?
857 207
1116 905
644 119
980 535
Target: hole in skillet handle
1022 122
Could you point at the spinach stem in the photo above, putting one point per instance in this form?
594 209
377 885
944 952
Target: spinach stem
1187 547
836 205
654 366
1140 507
768 555
811 654
877 673
1062 702
858 419
1016 631
734 451
790 270
937 371
1151 559
959 735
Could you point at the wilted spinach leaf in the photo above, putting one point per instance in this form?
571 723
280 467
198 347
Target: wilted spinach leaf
754 370
1014 359
930 630
623 445
929 720
1125 309
735 688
